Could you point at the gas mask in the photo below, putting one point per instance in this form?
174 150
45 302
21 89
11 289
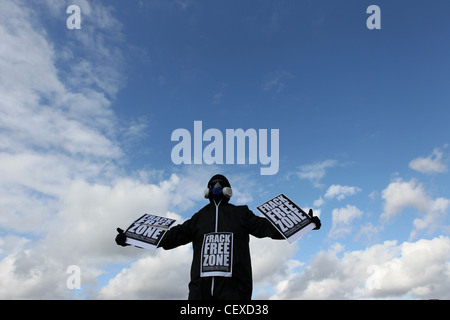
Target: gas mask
217 192
218 188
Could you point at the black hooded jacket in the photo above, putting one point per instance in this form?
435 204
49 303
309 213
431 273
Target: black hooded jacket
225 217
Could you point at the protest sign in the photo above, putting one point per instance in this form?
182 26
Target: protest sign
287 217
147 231
217 255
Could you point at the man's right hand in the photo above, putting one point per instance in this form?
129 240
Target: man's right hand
314 219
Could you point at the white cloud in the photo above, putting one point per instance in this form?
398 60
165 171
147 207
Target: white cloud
158 275
342 219
319 202
81 232
50 134
433 220
431 164
368 231
400 194
263 254
346 215
316 171
409 270
39 110
340 192
62 196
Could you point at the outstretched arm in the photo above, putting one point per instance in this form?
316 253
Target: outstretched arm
174 237
178 235
261 227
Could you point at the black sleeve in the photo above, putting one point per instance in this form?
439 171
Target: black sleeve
261 227
178 235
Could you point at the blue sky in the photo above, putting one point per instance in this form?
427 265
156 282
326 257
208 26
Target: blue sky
85 141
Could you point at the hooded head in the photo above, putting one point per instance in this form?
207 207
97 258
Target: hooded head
218 188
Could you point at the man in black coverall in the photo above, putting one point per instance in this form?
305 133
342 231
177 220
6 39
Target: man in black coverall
225 228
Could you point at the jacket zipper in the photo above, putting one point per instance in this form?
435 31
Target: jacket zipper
215 230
